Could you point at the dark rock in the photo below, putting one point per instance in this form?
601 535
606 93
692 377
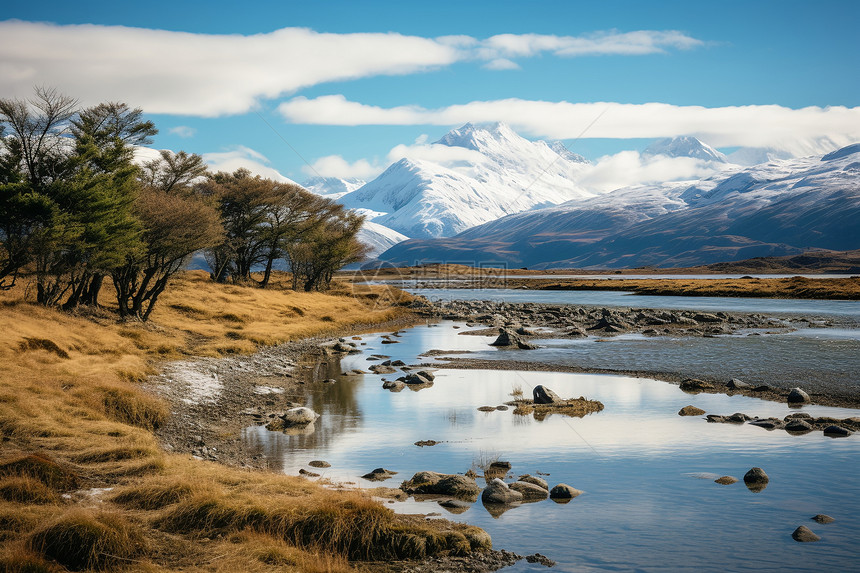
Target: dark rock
428 375
563 491
502 408
690 411
804 535
756 479
798 396
835 431
508 339
767 423
416 379
486 408
543 395
498 492
397 363
382 369
393 385
738 418
422 443
695 385
822 518
716 418
379 474
540 559
305 472
798 426
319 464
726 480
455 506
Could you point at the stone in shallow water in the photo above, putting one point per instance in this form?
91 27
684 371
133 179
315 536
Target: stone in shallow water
726 480
319 464
822 518
563 491
530 491
543 395
690 411
835 431
756 480
498 491
804 535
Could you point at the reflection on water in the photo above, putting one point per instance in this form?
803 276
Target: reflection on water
842 308
637 461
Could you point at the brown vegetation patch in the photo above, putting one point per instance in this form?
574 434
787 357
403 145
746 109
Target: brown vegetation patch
575 408
133 407
42 344
42 469
85 540
26 490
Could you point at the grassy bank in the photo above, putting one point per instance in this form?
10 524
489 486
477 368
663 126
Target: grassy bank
83 482
794 287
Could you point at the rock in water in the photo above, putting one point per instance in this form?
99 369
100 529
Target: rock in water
498 491
530 491
726 480
535 480
508 338
804 535
756 480
821 518
299 416
690 411
835 431
543 395
735 384
563 491
798 396
379 474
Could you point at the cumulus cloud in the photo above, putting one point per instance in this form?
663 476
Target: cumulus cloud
244 158
182 131
337 166
631 168
210 75
798 131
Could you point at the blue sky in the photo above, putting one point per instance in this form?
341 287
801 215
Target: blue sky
237 101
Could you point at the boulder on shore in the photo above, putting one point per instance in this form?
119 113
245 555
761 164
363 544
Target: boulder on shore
798 396
299 416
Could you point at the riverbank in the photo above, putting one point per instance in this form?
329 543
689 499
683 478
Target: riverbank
86 483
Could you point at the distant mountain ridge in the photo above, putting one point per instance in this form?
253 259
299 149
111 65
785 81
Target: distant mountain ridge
774 209
684 146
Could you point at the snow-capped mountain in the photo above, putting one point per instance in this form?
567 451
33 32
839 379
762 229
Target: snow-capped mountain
490 172
332 187
777 208
685 146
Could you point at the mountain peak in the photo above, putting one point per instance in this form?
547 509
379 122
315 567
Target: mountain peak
478 135
684 146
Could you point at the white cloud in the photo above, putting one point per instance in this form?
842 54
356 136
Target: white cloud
636 43
243 158
630 168
337 166
182 131
210 75
501 64
198 74
421 139
799 131
457 158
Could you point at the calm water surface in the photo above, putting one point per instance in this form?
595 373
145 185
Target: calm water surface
849 309
650 503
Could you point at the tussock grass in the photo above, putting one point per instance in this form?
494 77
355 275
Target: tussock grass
40 468
81 421
81 539
26 490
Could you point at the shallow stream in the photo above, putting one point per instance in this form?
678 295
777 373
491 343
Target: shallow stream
650 502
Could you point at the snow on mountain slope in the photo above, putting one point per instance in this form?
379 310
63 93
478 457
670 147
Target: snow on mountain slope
420 198
379 238
778 208
332 187
686 146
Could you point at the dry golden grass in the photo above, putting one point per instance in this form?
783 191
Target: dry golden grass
72 417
